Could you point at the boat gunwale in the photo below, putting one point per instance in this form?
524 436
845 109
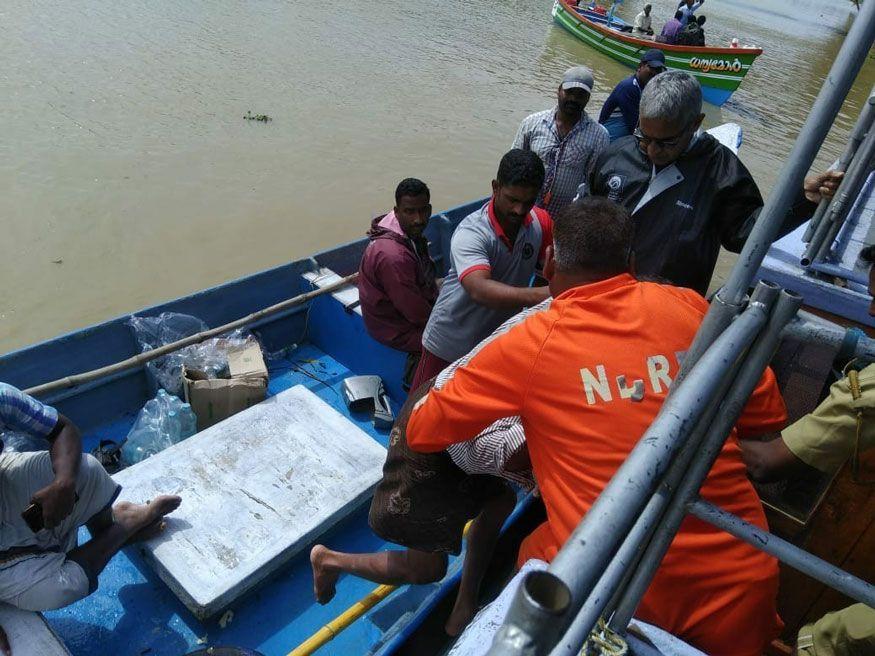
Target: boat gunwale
620 36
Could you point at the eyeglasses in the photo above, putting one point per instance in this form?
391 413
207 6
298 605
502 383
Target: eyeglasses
666 144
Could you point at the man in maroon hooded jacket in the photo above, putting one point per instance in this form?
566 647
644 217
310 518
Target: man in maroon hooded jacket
397 287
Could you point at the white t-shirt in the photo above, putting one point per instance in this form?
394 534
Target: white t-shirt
642 22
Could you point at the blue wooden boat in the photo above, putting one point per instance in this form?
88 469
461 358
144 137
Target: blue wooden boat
133 612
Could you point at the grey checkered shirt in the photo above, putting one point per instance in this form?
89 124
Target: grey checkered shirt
490 450
568 162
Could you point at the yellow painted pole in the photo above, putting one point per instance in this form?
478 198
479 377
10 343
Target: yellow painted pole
328 632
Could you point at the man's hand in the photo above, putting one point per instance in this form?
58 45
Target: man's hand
56 500
822 185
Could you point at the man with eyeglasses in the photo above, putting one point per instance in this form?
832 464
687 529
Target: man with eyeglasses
619 114
688 194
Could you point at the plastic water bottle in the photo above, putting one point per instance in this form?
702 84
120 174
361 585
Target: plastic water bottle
172 428
187 421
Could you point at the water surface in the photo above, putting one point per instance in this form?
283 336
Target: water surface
128 175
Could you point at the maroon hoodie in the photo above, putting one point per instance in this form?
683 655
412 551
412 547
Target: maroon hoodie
397 288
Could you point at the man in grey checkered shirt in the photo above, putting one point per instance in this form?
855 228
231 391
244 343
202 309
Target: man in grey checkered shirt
566 138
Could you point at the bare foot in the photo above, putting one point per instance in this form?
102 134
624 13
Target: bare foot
324 578
134 518
460 618
146 533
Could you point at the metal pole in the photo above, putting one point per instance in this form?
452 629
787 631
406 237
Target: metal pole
795 557
843 200
861 127
745 382
720 314
850 342
848 61
840 204
534 617
588 550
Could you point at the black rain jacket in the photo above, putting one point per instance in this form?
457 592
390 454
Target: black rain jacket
708 200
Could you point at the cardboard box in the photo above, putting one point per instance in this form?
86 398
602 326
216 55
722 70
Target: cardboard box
213 400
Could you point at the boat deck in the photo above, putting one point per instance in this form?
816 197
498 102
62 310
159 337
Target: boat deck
133 612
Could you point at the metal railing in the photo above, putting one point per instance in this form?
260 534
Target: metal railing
607 563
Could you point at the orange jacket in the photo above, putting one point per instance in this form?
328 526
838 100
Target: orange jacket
574 373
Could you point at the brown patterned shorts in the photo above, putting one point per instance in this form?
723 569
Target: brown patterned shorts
424 499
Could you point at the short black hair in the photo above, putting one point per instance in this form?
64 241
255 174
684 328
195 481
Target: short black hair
411 187
521 168
867 255
593 235
700 20
678 14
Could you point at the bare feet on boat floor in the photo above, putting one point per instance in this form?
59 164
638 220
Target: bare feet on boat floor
144 521
324 578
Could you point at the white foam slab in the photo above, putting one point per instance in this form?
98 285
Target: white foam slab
257 488
29 634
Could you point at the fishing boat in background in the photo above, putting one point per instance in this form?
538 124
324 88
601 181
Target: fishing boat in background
719 70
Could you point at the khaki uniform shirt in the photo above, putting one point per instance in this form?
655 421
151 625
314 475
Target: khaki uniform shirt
848 632
825 439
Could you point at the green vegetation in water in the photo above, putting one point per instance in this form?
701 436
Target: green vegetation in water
263 118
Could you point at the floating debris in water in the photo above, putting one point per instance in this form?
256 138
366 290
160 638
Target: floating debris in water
263 118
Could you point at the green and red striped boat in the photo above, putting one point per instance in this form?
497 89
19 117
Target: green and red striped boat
719 70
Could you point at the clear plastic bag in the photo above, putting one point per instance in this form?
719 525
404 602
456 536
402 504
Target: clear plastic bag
209 357
22 442
163 421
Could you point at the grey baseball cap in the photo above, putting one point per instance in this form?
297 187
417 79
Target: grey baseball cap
579 77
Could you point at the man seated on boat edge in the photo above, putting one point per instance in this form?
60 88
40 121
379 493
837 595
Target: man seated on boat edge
688 194
494 254
838 430
566 138
422 503
587 377
397 282
619 114
61 489
644 22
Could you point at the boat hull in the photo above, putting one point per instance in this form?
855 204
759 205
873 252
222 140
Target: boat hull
719 70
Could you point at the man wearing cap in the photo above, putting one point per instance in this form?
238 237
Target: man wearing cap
566 139
619 114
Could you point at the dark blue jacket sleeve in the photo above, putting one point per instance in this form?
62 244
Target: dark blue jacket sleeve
609 107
